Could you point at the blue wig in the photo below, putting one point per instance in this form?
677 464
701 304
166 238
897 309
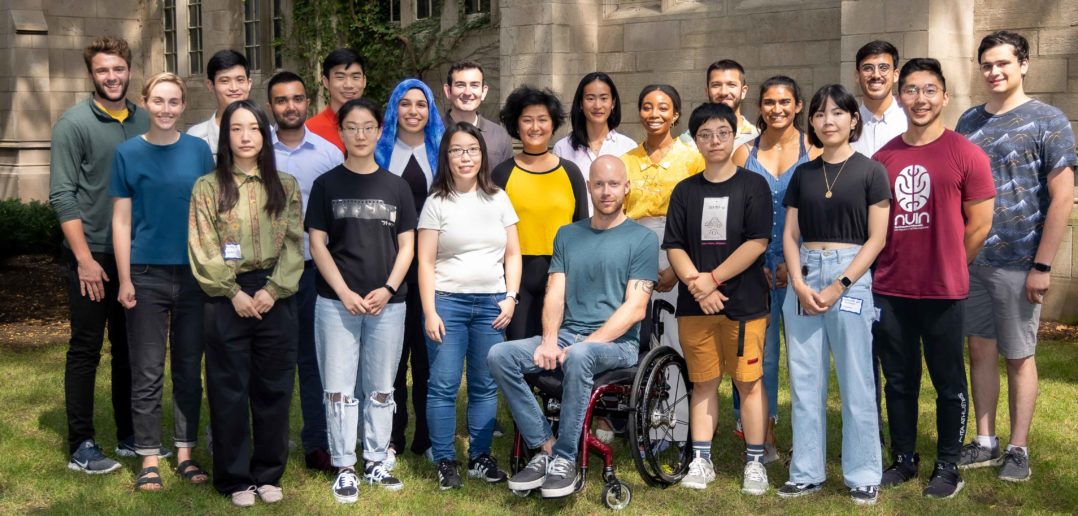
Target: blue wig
434 129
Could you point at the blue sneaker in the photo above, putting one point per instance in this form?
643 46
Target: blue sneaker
126 448
89 459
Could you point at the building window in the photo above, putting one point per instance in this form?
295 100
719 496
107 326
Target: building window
476 6
170 35
277 40
194 36
428 9
252 41
391 10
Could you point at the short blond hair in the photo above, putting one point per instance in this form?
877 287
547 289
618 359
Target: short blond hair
164 77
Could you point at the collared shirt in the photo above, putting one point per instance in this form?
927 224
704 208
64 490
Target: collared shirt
208 131
402 152
876 132
324 124
746 131
311 158
499 144
649 195
264 242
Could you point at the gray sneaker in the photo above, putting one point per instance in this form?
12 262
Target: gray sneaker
1015 466
89 459
976 456
560 478
755 481
701 473
533 475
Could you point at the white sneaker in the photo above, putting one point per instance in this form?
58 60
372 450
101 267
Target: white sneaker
391 459
755 482
701 473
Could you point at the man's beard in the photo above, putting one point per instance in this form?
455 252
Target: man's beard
100 90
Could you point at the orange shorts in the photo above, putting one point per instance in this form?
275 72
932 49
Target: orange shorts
715 344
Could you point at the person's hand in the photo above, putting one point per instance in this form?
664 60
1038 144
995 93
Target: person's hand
827 297
353 302
376 300
781 277
547 356
701 285
667 280
126 296
1037 284
434 327
806 296
92 279
245 306
508 306
263 301
713 302
769 277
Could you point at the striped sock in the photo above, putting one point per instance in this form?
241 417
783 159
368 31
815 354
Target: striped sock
701 449
754 452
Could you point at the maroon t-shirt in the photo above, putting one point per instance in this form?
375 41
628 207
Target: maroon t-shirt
925 255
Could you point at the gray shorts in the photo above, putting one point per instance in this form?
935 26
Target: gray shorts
997 309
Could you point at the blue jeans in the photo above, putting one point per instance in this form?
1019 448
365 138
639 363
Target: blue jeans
772 348
847 335
357 357
313 434
468 335
510 361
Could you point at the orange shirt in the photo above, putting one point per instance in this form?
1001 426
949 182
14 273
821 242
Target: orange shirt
324 124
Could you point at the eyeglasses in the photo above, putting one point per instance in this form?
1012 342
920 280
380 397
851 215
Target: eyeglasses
929 91
458 152
353 130
724 135
867 69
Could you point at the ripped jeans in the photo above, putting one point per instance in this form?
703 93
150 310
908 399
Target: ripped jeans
357 358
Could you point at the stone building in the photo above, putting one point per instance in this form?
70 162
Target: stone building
543 43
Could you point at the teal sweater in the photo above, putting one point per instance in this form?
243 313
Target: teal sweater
84 141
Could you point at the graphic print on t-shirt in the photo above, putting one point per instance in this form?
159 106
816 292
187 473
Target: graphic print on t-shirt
913 186
713 219
367 209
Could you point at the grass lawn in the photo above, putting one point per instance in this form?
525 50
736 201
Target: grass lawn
34 477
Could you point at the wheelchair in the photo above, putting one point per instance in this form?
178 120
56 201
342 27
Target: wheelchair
654 398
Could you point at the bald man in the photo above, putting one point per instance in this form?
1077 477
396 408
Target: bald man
591 323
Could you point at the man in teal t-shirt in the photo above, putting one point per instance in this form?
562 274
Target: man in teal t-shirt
601 277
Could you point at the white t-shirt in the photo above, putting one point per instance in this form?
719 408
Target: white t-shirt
471 241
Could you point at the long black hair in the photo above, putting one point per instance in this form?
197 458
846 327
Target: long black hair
578 138
443 184
786 82
267 163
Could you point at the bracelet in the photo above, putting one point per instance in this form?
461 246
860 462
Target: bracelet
716 280
392 291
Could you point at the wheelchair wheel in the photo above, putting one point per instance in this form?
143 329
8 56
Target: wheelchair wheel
659 417
616 495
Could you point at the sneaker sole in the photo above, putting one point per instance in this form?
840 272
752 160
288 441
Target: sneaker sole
693 485
526 486
391 488
74 466
753 492
447 488
1017 479
130 454
859 501
345 499
560 492
982 464
957 489
800 493
473 473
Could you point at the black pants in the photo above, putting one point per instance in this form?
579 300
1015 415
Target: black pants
528 316
415 351
250 370
88 322
313 434
167 315
905 326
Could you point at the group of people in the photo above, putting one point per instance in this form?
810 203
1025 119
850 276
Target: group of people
363 245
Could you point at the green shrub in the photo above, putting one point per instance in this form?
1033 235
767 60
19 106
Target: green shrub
28 228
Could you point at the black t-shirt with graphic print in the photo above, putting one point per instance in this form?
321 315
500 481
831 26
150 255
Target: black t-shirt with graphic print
709 221
362 214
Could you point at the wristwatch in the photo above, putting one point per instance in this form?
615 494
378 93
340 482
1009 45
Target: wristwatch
514 296
846 283
1042 267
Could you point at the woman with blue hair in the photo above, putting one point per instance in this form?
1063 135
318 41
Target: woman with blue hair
409 148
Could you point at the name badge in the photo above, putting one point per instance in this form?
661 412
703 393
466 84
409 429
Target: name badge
232 252
851 305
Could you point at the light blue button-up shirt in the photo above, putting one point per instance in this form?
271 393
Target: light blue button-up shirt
312 158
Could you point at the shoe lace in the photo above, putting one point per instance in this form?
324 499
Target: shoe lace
698 467
485 463
560 467
869 490
970 449
93 453
1015 456
347 479
755 472
378 472
942 472
447 468
540 463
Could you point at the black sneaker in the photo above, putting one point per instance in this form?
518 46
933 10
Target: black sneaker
974 455
346 487
902 470
485 468
560 478
1015 466
865 495
533 475
448 478
375 474
945 481
794 490
89 459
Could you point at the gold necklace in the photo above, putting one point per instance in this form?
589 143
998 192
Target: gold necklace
831 184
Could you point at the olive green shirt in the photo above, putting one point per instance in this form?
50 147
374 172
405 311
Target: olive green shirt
264 242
